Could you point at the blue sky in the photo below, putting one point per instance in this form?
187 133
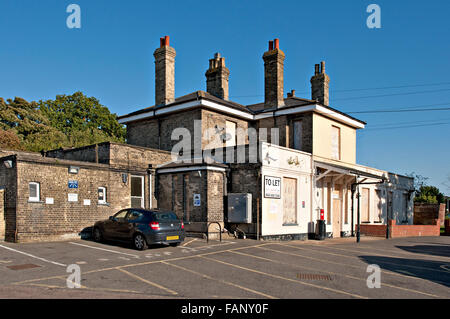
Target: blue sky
110 58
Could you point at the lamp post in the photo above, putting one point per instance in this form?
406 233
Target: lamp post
358 232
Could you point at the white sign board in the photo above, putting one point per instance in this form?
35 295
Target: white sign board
49 200
87 202
196 199
72 197
272 187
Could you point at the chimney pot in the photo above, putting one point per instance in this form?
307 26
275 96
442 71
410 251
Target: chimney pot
164 72
217 77
273 76
320 85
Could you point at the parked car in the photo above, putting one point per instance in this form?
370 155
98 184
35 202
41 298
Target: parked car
141 227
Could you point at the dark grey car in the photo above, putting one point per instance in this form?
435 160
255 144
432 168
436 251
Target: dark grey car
141 227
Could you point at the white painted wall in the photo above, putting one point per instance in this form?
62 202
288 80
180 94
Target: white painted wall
284 162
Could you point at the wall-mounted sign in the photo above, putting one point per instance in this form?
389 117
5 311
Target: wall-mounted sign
72 197
87 202
49 200
272 187
73 184
196 199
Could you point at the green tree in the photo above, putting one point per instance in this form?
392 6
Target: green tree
429 194
82 119
31 127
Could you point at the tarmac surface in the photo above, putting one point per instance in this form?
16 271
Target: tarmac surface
414 267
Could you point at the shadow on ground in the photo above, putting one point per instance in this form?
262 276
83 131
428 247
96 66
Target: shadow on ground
434 250
86 234
435 271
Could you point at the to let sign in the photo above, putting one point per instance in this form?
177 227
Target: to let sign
272 187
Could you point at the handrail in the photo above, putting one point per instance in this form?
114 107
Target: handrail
207 231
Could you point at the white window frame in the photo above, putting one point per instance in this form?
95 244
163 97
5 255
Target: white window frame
142 190
103 201
38 192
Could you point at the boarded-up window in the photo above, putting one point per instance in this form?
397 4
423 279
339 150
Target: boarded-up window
365 207
289 201
231 134
298 135
379 205
405 208
335 142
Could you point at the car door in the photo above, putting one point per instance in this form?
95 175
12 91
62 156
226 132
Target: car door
114 227
133 218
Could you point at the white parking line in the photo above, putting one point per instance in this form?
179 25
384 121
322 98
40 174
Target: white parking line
187 243
32 256
109 250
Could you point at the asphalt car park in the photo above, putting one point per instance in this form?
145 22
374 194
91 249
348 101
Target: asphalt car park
416 267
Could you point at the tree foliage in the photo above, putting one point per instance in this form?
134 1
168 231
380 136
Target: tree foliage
430 195
68 121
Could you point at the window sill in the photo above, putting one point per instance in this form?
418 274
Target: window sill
104 204
36 201
290 224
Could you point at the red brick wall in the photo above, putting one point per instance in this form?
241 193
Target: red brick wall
415 230
373 230
401 230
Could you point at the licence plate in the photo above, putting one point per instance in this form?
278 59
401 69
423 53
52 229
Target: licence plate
172 237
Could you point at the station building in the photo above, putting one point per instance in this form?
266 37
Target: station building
267 171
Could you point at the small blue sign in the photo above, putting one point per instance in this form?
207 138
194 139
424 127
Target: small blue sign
73 184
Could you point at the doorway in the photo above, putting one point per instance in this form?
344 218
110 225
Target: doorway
137 191
337 210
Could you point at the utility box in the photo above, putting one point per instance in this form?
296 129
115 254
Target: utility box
239 208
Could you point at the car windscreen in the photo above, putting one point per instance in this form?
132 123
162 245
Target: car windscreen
164 216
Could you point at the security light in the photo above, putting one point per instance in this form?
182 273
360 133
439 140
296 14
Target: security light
73 169
8 163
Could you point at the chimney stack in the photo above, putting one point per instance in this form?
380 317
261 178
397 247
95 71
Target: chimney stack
320 84
217 77
273 75
164 72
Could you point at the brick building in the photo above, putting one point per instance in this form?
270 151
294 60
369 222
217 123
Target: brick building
295 156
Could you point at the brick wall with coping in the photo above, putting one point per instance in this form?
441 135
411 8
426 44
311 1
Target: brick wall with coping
401 230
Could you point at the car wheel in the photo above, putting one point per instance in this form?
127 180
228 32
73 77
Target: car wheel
139 242
174 244
98 236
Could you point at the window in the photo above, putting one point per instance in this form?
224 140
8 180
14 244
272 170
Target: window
289 201
335 142
298 135
231 134
365 205
134 215
121 215
34 192
379 203
102 195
